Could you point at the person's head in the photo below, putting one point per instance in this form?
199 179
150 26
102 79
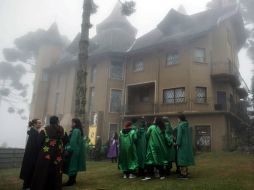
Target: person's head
127 125
36 123
76 123
134 120
142 123
53 120
165 119
181 117
159 123
115 135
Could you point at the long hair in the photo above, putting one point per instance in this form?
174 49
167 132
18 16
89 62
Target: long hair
54 122
115 136
78 125
182 117
32 123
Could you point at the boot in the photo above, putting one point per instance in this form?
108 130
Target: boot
71 181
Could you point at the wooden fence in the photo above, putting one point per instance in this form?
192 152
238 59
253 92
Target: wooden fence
11 157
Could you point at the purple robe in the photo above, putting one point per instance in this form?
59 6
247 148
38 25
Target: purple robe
112 150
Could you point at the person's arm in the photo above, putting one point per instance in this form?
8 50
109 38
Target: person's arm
74 140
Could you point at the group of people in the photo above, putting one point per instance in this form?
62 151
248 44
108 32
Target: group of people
50 152
145 150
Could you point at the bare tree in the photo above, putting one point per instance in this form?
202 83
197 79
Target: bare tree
89 7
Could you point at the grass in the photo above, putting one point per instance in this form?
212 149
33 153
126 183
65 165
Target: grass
213 171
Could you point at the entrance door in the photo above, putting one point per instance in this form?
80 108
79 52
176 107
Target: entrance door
222 99
203 138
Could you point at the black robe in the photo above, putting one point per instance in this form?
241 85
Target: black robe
30 157
48 171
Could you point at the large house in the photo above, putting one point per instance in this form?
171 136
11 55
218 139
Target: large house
188 63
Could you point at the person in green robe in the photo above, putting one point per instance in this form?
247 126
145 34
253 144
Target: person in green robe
185 155
141 146
157 153
170 144
128 159
75 153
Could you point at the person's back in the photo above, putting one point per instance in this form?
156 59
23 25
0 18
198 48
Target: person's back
128 160
48 171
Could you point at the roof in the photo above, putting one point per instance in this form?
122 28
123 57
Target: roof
114 35
177 27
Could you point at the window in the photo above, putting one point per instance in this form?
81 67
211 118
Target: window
201 95
172 58
199 55
116 71
174 95
115 100
93 74
138 66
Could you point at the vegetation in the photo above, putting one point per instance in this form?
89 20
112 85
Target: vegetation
213 171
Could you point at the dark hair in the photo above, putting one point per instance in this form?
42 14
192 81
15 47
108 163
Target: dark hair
78 125
182 117
165 119
128 124
115 135
53 120
32 123
159 123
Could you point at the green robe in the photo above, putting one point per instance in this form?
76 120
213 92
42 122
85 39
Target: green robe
170 142
157 153
76 160
141 147
128 160
185 155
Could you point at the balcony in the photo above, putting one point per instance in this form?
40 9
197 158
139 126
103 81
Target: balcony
140 99
225 72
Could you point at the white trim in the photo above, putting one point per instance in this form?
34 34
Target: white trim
110 90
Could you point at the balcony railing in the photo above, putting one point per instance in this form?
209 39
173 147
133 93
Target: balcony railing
210 105
223 71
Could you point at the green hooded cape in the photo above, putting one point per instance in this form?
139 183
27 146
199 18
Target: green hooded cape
185 155
128 159
157 153
76 160
141 147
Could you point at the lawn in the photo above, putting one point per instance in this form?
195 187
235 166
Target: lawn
213 171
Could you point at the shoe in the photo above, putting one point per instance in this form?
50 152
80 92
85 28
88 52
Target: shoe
146 178
132 176
125 176
182 177
162 178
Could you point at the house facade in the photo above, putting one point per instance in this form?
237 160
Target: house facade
187 64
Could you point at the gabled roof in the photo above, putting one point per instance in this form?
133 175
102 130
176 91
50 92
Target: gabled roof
177 27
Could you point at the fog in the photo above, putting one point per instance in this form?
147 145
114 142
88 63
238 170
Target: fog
18 17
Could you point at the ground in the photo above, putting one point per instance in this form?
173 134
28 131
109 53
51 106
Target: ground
213 171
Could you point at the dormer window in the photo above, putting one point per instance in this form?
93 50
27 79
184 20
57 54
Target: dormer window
199 55
172 58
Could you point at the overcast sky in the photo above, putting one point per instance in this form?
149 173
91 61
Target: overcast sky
17 17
